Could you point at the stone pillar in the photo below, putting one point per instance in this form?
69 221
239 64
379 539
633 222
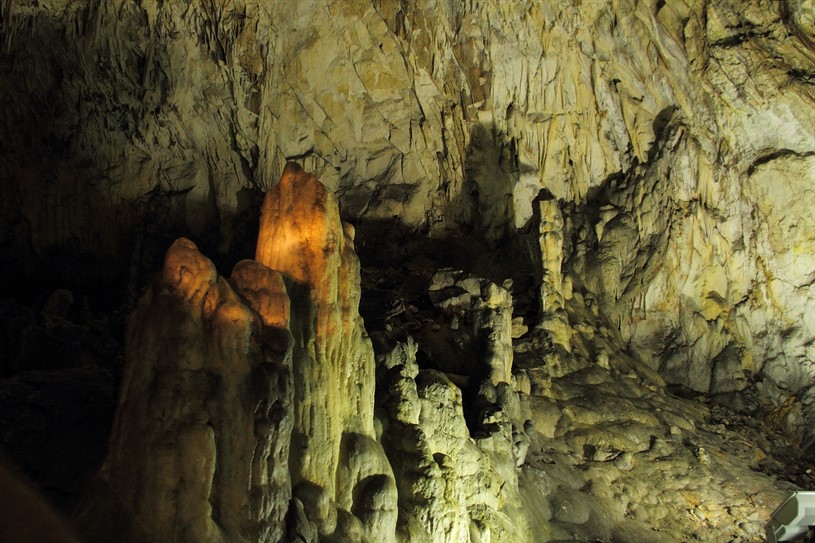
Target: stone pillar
550 231
550 238
334 445
200 443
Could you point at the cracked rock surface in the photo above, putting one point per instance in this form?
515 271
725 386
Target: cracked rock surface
539 270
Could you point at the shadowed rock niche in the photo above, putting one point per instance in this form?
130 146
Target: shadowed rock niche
246 410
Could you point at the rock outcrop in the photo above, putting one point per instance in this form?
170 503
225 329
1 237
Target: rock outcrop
587 247
200 444
249 401
338 467
449 489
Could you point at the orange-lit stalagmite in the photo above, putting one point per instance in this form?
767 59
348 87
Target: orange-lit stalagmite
200 443
586 236
333 444
246 410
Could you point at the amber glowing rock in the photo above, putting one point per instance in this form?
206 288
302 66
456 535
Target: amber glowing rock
201 439
265 291
302 236
245 399
299 226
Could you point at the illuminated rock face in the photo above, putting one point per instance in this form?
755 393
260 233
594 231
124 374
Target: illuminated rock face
235 399
654 157
165 117
247 411
336 460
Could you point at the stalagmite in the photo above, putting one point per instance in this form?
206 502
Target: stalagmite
551 231
302 236
200 445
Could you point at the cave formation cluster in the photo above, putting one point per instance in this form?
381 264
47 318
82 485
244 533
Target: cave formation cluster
376 270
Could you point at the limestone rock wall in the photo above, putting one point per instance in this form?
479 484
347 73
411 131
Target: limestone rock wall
658 153
176 113
701 264
127 122
443 120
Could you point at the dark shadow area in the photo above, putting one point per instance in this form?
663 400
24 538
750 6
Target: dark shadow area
398 264
479 240
398 268
63 315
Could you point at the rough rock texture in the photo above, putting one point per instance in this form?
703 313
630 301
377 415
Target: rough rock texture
614 197
336 460
156 118
484 347
201 438
449 489
247 406
584 444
